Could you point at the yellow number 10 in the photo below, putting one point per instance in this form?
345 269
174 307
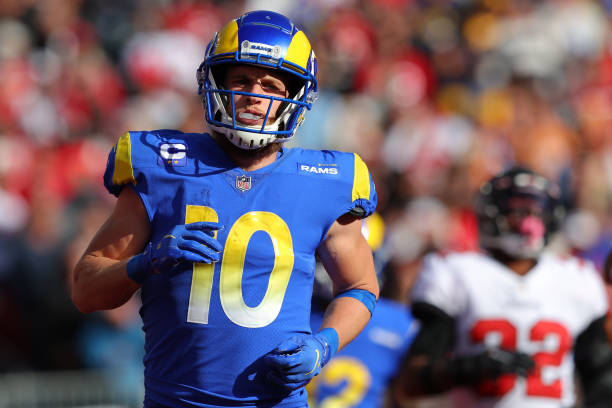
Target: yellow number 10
232 268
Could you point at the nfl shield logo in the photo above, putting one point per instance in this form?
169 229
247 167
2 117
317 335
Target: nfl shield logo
243 183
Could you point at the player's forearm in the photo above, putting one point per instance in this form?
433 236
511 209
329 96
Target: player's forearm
425 370
101 283
421 376
348 317
593 359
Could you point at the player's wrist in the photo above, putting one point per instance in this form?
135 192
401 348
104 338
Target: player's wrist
329 338
367 298
139 266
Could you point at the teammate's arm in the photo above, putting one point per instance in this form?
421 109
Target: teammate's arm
99 280
347 258
593 358
425 370
431 368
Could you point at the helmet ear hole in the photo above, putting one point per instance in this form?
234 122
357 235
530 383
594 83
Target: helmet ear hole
218 73
294 85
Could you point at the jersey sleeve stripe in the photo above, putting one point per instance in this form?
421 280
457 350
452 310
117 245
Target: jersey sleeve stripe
361 180
123 172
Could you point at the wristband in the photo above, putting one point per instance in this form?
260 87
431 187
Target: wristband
367 298
137 268
330 336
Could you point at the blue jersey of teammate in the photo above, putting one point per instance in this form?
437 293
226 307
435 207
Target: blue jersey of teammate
358 375
208 325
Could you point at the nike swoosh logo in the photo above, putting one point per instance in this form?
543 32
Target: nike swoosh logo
316 363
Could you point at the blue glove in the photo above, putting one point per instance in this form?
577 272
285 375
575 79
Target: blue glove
298 359
192 242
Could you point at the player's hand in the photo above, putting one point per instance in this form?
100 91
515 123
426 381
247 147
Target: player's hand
194 242
297 360
490 365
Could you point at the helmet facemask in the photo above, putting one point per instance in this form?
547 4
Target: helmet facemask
221 114
266 40
517 213
521 233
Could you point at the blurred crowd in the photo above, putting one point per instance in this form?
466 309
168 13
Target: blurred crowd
435 95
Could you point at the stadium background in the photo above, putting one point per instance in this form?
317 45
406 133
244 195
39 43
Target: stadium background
435 96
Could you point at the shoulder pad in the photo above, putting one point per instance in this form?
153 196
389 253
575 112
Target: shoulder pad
119 167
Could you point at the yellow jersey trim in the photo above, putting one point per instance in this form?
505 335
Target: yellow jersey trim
361 179
123 172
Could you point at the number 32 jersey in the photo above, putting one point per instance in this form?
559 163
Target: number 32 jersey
540 313
208 325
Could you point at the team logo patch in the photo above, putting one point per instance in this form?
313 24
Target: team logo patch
243 183
247 47
330 169
174 154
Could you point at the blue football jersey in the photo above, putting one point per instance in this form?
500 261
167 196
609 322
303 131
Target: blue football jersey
207 326
359 374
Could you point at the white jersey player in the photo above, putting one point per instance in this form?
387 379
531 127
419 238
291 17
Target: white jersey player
508 327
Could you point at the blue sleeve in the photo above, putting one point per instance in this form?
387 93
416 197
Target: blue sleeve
132 162
363 192
354 189
119 169
337 183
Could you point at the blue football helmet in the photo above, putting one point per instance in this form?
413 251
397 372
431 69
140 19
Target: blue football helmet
265 39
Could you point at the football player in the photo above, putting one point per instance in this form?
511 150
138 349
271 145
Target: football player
219 232
509 326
